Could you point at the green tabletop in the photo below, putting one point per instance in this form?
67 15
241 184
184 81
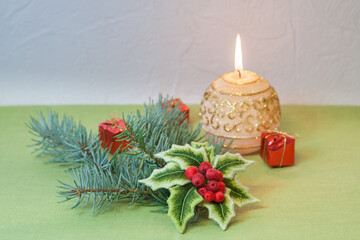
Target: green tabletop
318 198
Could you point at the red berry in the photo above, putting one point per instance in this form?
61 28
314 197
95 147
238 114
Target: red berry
198 180
212 174
190 172
212 186
221 186
219 197
209 196
204 166
220 176
202 191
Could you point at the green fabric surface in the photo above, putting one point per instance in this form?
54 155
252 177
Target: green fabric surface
318 198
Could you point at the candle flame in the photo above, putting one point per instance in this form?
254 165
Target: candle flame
238 54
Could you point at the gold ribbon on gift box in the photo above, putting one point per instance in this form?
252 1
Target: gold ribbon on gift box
112 122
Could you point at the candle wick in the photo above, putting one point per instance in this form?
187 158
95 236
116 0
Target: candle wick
239 73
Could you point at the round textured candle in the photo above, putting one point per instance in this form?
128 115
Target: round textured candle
240 105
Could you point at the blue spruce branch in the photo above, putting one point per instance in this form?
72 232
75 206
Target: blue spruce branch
103 177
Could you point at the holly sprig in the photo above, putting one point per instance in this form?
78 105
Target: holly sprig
184 195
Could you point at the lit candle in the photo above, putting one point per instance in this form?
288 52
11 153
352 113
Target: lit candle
239 106
238 55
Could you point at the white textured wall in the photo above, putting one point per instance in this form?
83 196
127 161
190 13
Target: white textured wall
117 52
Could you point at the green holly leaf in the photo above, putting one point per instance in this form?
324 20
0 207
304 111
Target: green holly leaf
209 150
230 163
185 156
222 212
239 193
182 202
166 177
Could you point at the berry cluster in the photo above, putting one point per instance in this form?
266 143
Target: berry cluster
208 180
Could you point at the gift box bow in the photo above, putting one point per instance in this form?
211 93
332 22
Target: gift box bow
178 102
114 125
276 140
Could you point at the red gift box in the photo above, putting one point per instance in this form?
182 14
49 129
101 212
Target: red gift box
277 149
108 131
183 108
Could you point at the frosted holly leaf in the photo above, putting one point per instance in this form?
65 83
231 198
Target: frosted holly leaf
222 212
230 163
166 177
209 150
239 193
186 156
182 202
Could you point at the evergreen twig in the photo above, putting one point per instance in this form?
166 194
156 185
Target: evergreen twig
66 142
103 177
157 130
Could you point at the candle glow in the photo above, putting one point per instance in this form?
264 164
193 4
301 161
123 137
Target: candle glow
238 54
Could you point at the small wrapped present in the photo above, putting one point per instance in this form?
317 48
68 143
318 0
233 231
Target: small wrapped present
277 149
108 131
183 108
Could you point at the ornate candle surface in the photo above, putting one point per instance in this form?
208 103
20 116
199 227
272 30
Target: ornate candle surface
240 105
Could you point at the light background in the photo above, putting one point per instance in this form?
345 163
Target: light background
121 52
